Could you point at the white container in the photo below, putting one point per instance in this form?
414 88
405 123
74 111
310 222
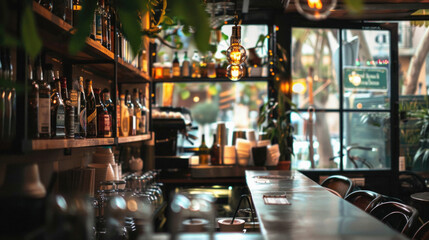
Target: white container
230 155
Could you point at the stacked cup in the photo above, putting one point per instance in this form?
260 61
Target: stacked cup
243 151
273 155
230 155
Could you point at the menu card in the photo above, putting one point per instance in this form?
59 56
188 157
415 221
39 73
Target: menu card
275 199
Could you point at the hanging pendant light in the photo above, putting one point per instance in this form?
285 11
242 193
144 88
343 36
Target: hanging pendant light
235 72
235 54
315 9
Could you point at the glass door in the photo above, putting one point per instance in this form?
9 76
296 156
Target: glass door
342 87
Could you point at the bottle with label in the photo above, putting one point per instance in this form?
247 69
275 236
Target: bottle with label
108 104
211 66
185 66
48 4
91 110
167 67
118 114
176 66
104 126
145 112
82 119
132 117
33 104
196 71
10 108
214 152
77 7
44 121
204 152
57 112
138 109
98 22
69 107
125 118
75 102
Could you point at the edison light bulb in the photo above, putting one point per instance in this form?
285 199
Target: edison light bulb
236 54
315 9
235 72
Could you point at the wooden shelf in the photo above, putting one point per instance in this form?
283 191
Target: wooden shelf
45 144
55 33
205 79
136 138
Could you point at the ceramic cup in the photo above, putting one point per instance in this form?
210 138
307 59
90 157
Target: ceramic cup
226 226
195 225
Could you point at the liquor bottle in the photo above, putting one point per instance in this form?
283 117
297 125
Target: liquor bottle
214 152
185 66
75 102
77 7
145 112
59 8
125 118
70 108
98 22
196 72
132 117
82 110
33 104
204 152
10 97
91 111
44 123
211 67
108 104
48 4
118 114
57 112
138 109
167 67
104 126
176 66
2 95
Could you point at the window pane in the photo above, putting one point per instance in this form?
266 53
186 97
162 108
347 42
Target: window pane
235 103
314 63
366 63
367 140
326 144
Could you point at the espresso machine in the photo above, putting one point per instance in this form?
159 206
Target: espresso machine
168 123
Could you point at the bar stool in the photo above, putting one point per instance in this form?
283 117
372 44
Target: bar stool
410 183
398 216
422 233
341 184
421 202
364 199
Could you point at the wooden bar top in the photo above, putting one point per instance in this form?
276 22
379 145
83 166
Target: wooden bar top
313 213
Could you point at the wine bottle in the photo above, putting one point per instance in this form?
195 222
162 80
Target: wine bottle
145 112
132 117
196 71
138 109
82 110
91 110
33 104
176 66
57 112
104 126
185 66
108 104
75 102
44 123
69 108
77 7
204 152
118 114
214 152
98 22
125 118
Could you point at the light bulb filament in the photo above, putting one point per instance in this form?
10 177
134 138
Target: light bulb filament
236 55
235 72
315 4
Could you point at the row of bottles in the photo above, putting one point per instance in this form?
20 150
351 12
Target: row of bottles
197 67
82 111
7 96
209 155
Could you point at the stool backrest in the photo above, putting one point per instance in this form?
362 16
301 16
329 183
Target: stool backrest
398 216
364 199
341 184
422 233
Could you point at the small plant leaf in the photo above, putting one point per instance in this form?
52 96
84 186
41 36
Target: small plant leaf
85 18
30 37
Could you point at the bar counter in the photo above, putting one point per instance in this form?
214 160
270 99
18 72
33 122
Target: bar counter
313 213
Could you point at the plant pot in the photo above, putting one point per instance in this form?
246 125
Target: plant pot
284 165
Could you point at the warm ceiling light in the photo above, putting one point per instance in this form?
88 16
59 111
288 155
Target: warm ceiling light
315 9
236 54
299 86
235 72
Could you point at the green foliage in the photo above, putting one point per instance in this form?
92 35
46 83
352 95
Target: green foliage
30 37
204 113
85 16
354 6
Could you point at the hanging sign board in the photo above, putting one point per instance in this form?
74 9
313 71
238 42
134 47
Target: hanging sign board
371 78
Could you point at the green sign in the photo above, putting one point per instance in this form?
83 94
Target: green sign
374 78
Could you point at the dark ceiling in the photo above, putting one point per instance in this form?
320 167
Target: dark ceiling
372 10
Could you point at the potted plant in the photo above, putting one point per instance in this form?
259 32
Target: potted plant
274 115
421 158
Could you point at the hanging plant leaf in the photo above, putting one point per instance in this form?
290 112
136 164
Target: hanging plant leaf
30 37
85 16
185 94
192 13
213 90
354 6
167 20
131 27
